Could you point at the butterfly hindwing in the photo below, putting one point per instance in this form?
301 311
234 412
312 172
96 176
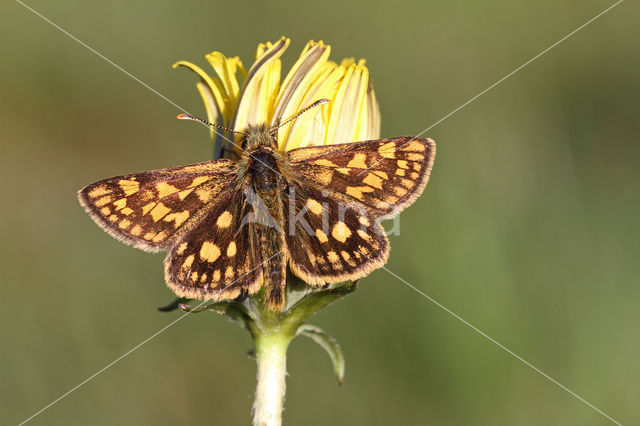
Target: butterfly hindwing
384 175
217 259
331 241
148 210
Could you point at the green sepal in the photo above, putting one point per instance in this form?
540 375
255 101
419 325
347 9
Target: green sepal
329 344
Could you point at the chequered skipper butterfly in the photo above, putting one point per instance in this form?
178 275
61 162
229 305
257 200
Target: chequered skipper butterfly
233 227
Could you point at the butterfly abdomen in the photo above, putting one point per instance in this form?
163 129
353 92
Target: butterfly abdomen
267 182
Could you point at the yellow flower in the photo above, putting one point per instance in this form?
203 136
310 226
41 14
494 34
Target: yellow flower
236 98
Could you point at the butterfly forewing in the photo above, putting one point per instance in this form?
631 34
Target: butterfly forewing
148 210
384 176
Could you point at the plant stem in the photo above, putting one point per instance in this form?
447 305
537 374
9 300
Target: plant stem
271 357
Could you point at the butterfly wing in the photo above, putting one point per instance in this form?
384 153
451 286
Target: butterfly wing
339 194
149 210
384 176
218 258
331 241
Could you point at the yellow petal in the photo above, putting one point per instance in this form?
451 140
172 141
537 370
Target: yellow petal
259 90
226 70
302 75
216 88
348 106
209 104
310 128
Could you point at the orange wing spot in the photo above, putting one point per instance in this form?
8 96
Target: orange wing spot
204 195
183 194
417 166
381 174
182 247
203 277
343 170
194 276
147 207
325 162
403 164
224 220
400 191
363 250
358 161
373 180
106 211
216 277
357 255
406 183
188 262
232 249
113 218
321 236
314 206
149 236
413 145
364 221
415 156
160 236
400 172
177 218
120 204
103 201
347 258
136 230
364 236
341 232
164 189
209 252
129 186
414 175
356 191
99 191
199 181
126 211
124 224
332 256
228 274
159 211
388 150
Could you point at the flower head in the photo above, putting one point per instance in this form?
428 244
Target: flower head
236 98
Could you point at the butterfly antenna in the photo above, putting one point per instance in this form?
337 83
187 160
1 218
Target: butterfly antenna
302 111
200 120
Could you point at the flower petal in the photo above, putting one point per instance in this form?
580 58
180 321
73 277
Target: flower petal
348 106
259 91
215 87
292 92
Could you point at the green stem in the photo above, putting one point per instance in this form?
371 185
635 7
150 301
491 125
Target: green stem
271 357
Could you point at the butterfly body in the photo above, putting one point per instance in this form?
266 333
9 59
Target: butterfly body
234 227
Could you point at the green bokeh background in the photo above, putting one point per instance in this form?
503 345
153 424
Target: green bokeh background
528 229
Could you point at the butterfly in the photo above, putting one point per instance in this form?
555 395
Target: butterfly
234 227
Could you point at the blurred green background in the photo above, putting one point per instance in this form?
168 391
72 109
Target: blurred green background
528 229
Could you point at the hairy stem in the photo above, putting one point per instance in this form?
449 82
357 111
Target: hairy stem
271 357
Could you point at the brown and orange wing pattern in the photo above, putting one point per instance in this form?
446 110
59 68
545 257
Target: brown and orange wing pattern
384 175
149 210
217 258
331 241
